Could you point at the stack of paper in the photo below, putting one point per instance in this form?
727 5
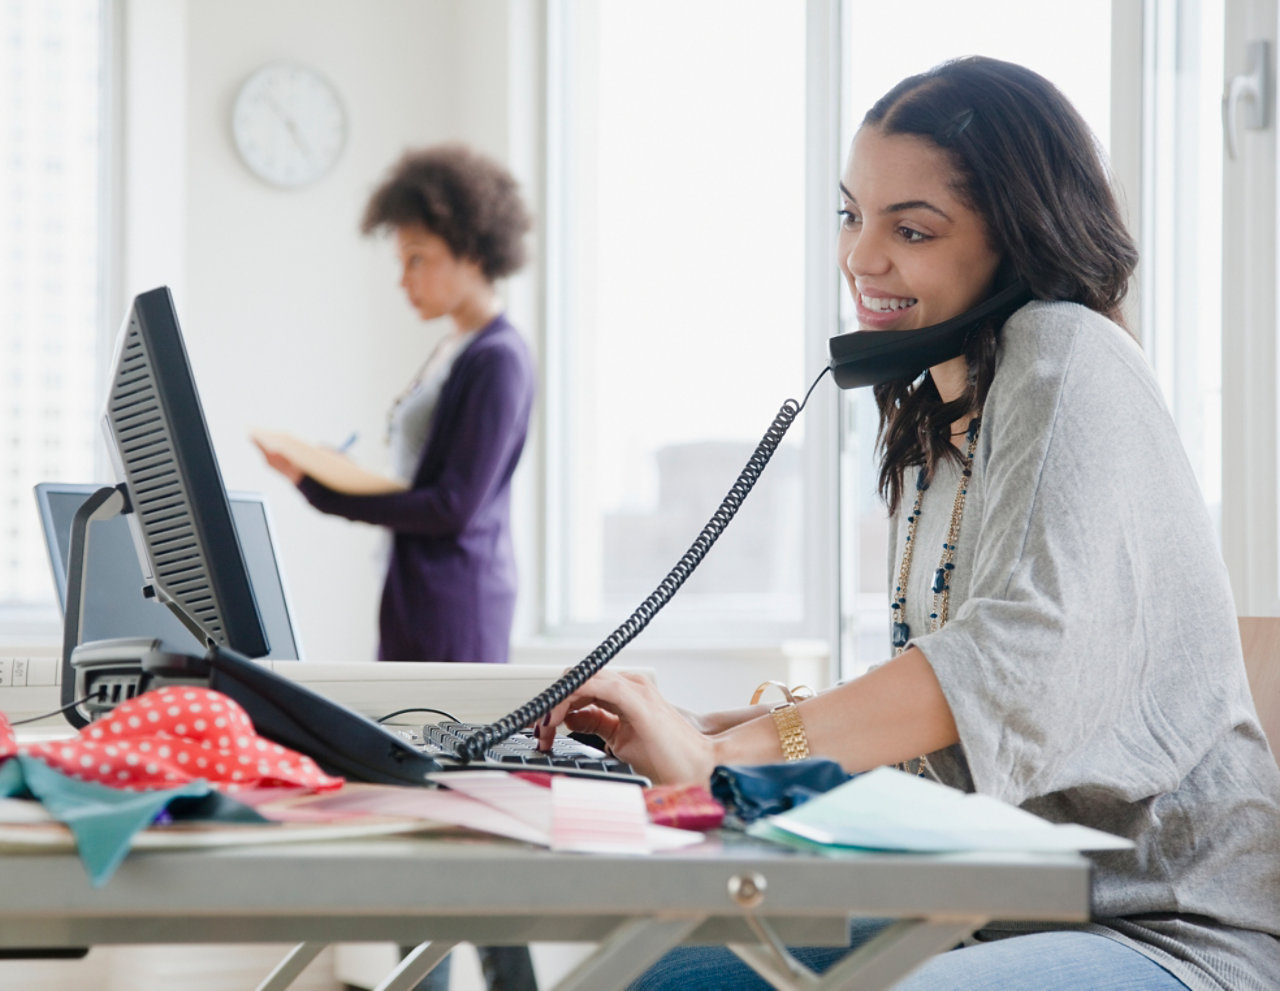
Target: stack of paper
886 809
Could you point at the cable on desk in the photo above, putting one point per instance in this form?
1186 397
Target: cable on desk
400 712
55 712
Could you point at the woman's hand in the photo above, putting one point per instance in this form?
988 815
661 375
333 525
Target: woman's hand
892 713
638 725
281 464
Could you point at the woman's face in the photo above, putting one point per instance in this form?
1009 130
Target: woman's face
437 282
913 253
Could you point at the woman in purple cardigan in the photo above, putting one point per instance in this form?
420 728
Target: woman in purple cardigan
458 428
456 433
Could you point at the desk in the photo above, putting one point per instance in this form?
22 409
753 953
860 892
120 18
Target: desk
729 890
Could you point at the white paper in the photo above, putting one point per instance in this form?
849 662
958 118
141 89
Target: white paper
887 809
575 814
595 816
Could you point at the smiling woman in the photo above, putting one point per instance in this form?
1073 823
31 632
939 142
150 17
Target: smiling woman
1078 588
1078 58
913 251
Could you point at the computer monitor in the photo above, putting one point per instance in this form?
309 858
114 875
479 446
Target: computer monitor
192 561
157 436
114 604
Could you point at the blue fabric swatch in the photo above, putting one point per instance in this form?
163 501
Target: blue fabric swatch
752 791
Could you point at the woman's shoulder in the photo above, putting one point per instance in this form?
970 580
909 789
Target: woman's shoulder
499 356
1056 354
1045 338
1057 325
499 340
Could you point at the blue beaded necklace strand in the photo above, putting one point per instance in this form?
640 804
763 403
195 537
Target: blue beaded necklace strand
941 585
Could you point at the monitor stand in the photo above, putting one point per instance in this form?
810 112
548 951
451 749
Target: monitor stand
99 675
107 502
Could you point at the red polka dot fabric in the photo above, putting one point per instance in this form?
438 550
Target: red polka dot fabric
8 741
170 736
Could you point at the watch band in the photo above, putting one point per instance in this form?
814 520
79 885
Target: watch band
791 735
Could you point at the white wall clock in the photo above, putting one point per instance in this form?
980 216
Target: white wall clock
288 124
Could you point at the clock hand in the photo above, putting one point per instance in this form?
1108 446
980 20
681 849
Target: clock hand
290 125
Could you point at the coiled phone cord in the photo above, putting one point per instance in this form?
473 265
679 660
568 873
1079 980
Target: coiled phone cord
474 746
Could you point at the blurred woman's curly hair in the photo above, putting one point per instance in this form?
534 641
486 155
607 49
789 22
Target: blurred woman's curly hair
469 201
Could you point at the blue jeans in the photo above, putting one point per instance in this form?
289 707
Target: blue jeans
1052 961
505 968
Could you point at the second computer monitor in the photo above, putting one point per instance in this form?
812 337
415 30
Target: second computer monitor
114 604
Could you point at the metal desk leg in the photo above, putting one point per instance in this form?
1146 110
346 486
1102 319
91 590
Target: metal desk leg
288 969
417 965
772 961
877 965
891 955
627 952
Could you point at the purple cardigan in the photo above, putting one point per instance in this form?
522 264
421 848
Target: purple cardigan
450 589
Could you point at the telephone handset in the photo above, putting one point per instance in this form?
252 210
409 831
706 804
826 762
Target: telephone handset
864 357
870 357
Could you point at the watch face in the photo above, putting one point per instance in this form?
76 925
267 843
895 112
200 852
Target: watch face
288 124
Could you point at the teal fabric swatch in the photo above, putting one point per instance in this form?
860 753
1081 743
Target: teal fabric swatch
104 820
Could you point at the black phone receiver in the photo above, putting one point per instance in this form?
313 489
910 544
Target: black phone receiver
869 357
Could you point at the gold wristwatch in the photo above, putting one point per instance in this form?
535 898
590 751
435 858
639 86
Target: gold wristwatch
786 717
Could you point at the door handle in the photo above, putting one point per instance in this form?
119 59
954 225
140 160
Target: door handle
1253 88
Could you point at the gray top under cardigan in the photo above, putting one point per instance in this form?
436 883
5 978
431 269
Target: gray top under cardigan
1092 660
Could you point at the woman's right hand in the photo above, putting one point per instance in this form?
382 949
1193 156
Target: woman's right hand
638 725
281 464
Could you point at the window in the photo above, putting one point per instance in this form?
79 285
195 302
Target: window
51 223
1181 231
676 314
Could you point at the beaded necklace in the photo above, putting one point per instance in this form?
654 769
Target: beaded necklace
941 586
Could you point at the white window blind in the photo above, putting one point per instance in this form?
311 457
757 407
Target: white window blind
51 218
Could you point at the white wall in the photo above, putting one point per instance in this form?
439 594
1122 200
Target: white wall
292 319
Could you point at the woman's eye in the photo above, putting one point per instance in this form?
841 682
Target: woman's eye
848 218
912 236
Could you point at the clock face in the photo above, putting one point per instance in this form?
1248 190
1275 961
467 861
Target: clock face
288 124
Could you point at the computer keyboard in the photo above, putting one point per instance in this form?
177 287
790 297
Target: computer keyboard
520 753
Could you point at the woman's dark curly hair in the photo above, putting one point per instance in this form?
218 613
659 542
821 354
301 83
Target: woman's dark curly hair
1026 162
469 201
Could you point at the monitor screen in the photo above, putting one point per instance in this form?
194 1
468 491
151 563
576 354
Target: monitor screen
179 512
114 604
